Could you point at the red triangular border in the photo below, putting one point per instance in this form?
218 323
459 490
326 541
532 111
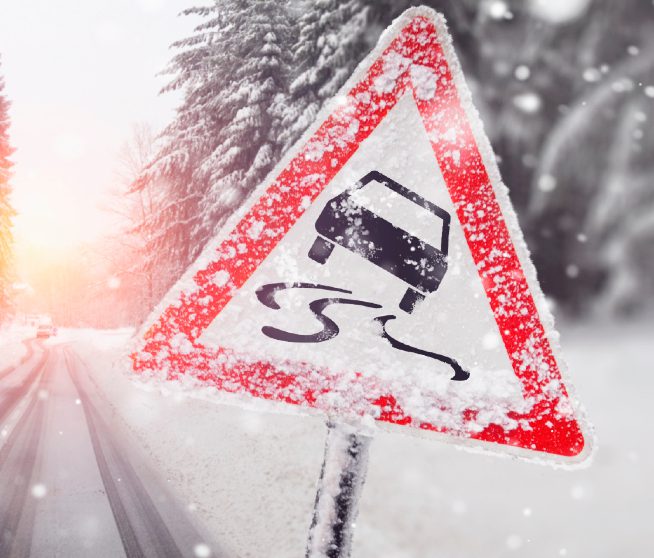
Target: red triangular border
549 427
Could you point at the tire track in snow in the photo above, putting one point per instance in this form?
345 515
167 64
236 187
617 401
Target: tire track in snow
29 344
143 530
18 460
11 396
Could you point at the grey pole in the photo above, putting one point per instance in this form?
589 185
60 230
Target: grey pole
341 481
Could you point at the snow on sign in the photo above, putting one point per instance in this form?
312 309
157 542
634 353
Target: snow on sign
379 272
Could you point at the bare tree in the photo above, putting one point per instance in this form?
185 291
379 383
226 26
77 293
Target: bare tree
125 251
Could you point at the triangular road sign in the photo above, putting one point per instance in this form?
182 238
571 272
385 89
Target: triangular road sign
380 273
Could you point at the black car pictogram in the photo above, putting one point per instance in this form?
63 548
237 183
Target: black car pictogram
348 223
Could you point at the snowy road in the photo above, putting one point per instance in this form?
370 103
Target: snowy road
249 473
71 485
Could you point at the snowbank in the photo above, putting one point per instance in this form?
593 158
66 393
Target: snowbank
251 474
12 348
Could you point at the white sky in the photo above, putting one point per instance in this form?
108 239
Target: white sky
79 74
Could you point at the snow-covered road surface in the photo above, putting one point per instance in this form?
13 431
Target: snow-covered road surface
74 484
249 474
250 471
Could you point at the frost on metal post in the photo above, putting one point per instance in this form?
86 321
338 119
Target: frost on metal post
341 481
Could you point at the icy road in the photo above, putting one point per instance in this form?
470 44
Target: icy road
71 484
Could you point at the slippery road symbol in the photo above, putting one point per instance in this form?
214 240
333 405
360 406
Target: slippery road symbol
346 222
330 329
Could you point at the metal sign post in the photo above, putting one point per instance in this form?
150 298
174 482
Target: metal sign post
339 488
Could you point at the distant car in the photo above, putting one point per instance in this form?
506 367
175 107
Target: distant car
347 223
45 331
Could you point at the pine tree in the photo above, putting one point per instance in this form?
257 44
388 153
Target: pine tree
222 142
330 42
6 211
335 35
247 147
591 194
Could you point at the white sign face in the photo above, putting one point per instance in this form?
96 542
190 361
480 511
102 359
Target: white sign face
456 320
380 272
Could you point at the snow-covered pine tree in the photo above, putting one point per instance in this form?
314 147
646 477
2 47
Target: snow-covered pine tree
592 196
330 41
333 37
222 141
184 144
6 211
247 148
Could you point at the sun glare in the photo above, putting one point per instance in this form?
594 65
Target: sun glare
54 221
